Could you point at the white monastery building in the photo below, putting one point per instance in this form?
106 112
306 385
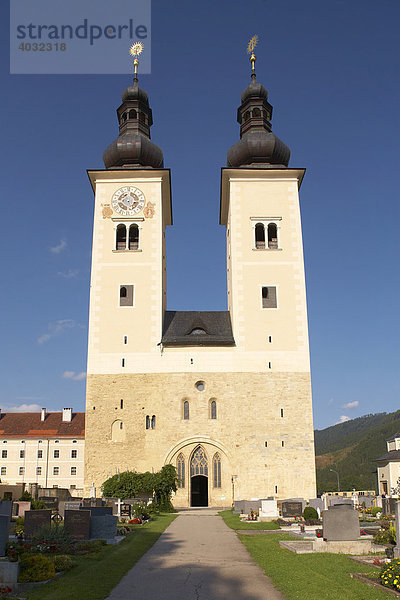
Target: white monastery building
388 468
224 396
43 448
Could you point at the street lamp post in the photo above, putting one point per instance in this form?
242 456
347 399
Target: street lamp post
337 475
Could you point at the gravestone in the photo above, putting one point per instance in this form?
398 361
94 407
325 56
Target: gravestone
50 502
21 507
77 524
126 511
68 505
389 506
103 527
317 503
89 502
35 520
5 507
291 508
269 508
4 527
98 511
340 523
238 507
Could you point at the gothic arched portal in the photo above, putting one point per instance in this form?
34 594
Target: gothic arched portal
199 478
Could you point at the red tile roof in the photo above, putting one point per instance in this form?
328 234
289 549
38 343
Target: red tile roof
29 425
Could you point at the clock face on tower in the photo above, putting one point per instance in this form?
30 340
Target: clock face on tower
128 201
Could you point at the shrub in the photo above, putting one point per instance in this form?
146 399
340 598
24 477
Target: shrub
385 536
38 505
140 510
62 562
35 567
19 526
375 510
53 539
310 513
390 575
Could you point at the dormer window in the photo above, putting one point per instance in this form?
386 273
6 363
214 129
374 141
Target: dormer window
198 331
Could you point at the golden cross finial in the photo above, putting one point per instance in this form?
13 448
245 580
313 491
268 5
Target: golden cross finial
134 51
250 50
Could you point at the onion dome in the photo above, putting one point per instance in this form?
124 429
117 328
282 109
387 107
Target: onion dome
133 148
258 147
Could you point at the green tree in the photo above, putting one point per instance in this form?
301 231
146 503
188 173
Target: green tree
130 485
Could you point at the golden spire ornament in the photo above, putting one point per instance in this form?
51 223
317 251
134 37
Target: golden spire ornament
250 50
134 51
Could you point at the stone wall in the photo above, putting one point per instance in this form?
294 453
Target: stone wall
249 409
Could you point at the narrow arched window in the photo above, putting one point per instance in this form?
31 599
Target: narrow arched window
180 470
121 238
256 112
246 116
147 421
213 409
260 236
133 237
272 236
153 422
217 470
123 292
124 116
186 410
133 114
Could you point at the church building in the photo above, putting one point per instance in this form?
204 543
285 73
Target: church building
224 396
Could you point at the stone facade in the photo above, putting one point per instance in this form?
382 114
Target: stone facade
239 433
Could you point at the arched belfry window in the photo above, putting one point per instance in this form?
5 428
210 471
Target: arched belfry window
260 236
133 237
121 237
213 409
180 470
186 410
246 116
256 112
217 470
199 463
272 236
133 114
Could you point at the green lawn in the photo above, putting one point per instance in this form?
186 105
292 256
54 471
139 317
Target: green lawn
96 575
310 576
234 522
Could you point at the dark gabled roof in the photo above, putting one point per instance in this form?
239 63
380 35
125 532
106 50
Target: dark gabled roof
29 425
197 328
392 455
393 437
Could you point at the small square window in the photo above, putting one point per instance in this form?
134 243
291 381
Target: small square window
38 470
73 470
56 454
126 295
22 453
268 294
74 453
72 486
3 471
21 470
4 454
40 453
56 470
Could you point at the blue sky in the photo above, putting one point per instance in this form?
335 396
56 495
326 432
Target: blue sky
332 71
